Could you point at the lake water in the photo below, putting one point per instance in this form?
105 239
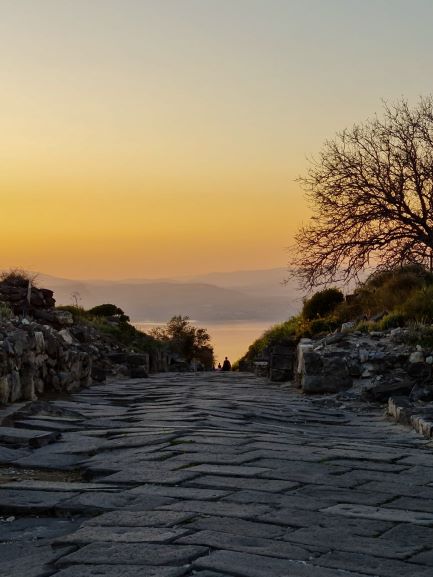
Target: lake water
228 339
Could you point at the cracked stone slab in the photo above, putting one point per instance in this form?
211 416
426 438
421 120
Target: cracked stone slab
30 501
149 474
302 518
254 545
342 561
247 565
27 437
36 528
133 554
218 508
381 513
179 492
140 519
238 527
229 470
244 483
102 501
27 559
113 534
119 571
341 540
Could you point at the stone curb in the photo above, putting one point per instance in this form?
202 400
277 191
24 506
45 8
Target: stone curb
402 411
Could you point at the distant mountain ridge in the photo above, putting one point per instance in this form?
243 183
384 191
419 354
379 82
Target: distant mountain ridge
218 297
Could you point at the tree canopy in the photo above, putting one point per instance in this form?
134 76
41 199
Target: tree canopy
371 193
185 339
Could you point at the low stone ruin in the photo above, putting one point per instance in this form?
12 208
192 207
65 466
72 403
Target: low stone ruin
43 350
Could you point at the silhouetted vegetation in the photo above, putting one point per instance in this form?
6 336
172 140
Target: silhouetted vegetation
387 299
371 190
115 327
186 340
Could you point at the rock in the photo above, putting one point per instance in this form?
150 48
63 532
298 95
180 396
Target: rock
5 390
63 318
23 437
66 336
346 327
138 373
397 383
422 393
324 374
416 357
39 341
282 361
99 374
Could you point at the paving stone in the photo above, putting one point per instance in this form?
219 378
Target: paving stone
410 534
247 565
30 501
254 545
24 437
298 518
238 527
36 528
119 571
95 534
229 470
426 558
9 455
28 559
381 513
411 504
342 541
179 492
140 519
244 483
219 508
133 554
209 574
58 461
376 566
147 475
279 468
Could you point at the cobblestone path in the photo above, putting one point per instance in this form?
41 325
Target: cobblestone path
215 475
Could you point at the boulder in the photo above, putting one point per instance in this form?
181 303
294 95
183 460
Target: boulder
327 373
282 363
385 386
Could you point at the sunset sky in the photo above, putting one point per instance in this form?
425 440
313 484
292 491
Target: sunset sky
147 138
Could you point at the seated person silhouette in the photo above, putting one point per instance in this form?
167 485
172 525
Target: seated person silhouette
227 365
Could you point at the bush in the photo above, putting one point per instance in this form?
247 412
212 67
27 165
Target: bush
18 277
108 310
419 306
6 312
322 303
326 325
392 321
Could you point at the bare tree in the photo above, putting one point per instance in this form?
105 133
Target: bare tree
371 191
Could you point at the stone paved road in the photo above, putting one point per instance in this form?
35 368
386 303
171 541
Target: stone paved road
214 476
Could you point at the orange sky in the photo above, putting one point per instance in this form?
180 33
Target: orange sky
163 137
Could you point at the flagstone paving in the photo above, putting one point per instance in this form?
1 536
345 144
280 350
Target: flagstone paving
214 475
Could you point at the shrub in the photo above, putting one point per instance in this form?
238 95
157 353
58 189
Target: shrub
6 312
419 306
328 325
108 310
18 277
322 303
